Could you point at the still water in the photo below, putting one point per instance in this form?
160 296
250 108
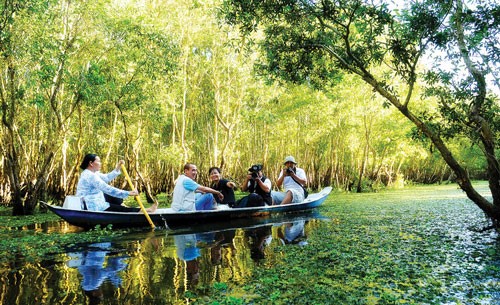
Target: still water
159 267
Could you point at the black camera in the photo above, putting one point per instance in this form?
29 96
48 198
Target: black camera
254 170
289 170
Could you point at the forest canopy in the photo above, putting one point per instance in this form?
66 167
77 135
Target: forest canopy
161 83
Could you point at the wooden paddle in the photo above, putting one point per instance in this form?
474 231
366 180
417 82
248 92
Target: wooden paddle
137 198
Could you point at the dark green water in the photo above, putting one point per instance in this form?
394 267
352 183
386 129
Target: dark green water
415 246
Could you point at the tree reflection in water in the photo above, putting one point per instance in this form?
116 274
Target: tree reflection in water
160 267
227 256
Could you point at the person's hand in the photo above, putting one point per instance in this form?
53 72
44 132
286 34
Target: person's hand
119 164
133 193
219 194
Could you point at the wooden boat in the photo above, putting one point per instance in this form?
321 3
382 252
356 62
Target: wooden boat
168 218
233 224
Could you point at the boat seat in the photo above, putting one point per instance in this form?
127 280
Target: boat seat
223 207
73 203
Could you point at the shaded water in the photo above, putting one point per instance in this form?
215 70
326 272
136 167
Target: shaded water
152 267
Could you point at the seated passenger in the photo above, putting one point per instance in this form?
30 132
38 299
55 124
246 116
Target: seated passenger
293 180
92 186
225 186
185 197
259 187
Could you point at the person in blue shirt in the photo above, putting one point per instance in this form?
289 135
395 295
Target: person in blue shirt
188 251
92 186
189 195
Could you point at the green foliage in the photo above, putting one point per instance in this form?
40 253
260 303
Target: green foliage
166 83
17 242
420 245
360 37
396 247
461 95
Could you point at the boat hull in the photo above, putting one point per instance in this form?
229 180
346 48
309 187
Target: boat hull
168 218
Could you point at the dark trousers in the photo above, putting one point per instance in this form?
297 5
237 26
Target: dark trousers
252 200
115 205
113 200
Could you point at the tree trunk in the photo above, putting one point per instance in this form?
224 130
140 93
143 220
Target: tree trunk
491 210
485 133
361 173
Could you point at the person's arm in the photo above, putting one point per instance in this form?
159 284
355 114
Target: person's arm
265 186
244 186
205 189
101 185
299 176
231 184
281 178
113 174
119 165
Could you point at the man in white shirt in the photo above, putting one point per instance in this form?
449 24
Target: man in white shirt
185 197
292 178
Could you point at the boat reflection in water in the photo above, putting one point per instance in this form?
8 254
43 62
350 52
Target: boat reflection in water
160 267
284 233
96 265
294 233
226 254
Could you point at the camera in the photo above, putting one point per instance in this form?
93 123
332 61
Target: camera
254 170
289 170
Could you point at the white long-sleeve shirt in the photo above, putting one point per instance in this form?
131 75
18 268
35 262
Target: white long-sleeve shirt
93 185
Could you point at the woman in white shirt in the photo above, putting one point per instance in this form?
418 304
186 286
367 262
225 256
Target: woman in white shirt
92 186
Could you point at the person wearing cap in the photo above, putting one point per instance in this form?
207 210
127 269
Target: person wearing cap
292 178
259 187
187 195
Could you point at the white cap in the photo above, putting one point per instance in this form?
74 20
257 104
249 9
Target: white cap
290 159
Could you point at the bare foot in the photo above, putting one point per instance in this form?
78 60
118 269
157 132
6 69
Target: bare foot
152 208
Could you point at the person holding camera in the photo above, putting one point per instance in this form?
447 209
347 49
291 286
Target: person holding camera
259 187
293 180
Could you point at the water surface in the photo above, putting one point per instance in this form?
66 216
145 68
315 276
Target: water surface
421 245
159 267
